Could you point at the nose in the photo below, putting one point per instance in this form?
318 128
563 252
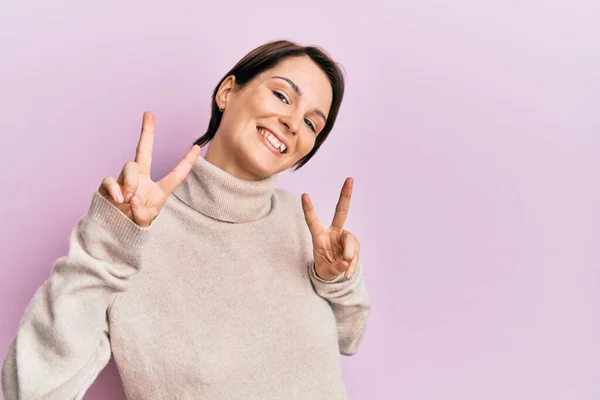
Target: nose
292 124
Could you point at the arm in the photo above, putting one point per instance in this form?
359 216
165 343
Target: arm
350 303
62 342
336 273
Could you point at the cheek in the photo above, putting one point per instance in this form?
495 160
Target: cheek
264 103
306 142
248 106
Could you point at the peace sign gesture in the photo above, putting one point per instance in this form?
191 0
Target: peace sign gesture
134 193
335 249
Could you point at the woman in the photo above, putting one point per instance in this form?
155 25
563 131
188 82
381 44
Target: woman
210 283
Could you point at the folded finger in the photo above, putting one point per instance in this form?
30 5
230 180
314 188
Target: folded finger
111 187
352 268
349 246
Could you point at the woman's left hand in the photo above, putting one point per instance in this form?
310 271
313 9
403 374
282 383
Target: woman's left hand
336 250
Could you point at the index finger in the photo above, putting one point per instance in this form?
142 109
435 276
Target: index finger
181 170
143 154
310 216
343 204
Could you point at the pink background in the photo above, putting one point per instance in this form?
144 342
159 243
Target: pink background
472 130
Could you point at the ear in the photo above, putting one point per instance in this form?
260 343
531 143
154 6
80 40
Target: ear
224 91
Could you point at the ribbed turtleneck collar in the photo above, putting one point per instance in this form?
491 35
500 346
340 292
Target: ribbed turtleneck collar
222 196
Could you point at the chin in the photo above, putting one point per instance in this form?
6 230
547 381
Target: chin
260 167
261 162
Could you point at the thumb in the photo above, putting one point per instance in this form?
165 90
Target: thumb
180 171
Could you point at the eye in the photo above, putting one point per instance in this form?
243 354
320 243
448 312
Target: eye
281 97
310 125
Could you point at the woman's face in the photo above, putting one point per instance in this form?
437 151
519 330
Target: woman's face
273 121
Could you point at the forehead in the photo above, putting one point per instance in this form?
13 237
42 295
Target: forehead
308 76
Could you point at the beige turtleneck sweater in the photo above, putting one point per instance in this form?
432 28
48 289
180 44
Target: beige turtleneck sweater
217 299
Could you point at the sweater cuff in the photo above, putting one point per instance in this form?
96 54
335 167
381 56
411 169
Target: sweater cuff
336 288
103 213
314 276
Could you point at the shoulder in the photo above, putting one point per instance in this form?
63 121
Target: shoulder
289 201
290 205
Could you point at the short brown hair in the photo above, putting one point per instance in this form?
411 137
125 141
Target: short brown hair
268 56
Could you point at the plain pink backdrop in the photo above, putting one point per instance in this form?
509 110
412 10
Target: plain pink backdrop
472 130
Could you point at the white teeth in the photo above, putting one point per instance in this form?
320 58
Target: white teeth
272 139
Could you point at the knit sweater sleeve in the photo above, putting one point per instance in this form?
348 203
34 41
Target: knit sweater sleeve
350 303
62 342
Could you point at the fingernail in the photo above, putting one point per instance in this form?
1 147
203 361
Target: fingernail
119 198
128 197
135 201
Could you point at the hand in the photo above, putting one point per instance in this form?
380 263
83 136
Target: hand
335 250
134 193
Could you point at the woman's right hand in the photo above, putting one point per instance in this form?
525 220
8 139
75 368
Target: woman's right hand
134 193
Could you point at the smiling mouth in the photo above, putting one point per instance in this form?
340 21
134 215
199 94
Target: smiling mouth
272 140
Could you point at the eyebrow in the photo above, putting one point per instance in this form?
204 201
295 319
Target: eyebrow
299 93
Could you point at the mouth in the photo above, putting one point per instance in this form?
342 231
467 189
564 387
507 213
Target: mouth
271 140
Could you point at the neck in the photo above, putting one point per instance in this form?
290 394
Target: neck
217 156
220 195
